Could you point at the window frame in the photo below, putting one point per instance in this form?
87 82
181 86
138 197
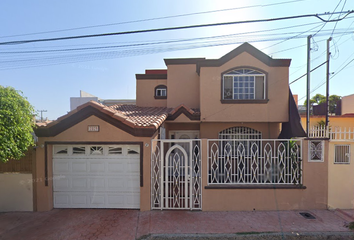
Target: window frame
315 150
160 88
230 101
341 145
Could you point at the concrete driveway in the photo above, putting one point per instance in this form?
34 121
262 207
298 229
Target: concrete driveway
133 224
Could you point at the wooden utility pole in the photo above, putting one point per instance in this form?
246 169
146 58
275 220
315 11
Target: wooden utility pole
42 114
308 86
327 82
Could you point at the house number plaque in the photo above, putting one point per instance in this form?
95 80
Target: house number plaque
93 128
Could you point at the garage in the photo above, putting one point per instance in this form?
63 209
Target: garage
96 176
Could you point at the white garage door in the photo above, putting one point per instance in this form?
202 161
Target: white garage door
96 176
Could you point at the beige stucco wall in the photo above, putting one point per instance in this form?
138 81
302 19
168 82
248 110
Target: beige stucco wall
78 133
276 110
171 126
211 130
340 179
182 86
348 104
145 93
16 192
313 197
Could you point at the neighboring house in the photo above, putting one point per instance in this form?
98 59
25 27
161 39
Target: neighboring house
86 97
205 134
340 138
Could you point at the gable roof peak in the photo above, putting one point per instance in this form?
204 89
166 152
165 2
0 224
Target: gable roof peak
250 49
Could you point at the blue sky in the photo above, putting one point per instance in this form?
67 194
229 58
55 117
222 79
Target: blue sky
49 79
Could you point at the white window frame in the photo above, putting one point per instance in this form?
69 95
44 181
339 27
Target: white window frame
244 72
310 153
346 154
161 92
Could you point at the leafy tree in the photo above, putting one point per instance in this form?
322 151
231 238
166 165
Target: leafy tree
16 124
333 99
319 99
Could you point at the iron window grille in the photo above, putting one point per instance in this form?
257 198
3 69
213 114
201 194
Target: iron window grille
316 151
236 138
342 154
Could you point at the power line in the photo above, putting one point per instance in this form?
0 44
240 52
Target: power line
306 73
156 18
34 61
10 63
298 35
178 28
328 19
339 16
183 39
330 78
290 38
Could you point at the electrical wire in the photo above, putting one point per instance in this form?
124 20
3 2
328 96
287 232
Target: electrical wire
335 25
297 35
152 19
183 39
320 85
38 60
306 73
328 19
34 61
178 28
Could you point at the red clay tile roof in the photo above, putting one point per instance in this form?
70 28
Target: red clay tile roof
142 116
150 116
131 115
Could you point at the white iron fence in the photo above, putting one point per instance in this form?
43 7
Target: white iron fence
176 174
254 161
333 133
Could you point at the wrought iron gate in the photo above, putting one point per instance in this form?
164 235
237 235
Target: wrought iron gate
176 174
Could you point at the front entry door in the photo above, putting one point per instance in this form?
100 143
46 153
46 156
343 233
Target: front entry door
176 174
177 178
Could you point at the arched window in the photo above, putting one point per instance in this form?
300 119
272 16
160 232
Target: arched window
240 133
161 92
244 84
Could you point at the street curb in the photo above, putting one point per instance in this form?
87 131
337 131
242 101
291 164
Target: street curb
248 236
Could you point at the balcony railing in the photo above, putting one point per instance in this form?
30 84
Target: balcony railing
333 133
254 161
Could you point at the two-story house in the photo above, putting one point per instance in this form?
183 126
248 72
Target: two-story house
205 134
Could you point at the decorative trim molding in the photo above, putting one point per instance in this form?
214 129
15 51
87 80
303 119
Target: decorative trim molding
86 112
183 110
150 76
231 101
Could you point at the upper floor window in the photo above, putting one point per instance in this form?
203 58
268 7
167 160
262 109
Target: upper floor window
161 92
244 84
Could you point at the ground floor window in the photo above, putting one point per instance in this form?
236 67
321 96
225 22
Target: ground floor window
241 156
316 151
341 154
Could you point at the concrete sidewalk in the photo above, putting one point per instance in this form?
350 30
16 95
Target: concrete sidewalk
133 224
